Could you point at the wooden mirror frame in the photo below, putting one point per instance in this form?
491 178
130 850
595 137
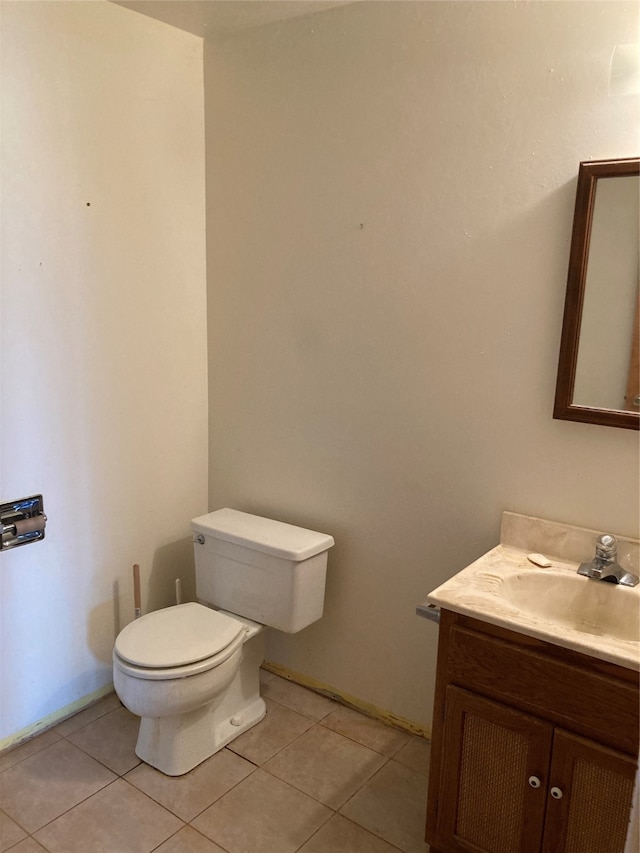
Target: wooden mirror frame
564 408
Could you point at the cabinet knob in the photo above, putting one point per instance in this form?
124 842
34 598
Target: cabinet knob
556 793
534 782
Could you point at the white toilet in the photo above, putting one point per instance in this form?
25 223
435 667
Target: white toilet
191 672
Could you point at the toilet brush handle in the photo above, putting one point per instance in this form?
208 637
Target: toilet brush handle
136 591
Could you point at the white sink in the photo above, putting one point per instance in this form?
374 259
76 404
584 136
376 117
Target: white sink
555 604
575 602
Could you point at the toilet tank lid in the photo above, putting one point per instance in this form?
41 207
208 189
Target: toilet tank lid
262 534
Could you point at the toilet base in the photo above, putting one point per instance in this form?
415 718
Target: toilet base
176 744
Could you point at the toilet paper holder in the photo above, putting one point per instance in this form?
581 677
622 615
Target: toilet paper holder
21 522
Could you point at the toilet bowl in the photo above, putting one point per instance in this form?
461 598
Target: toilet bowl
192 672
192 675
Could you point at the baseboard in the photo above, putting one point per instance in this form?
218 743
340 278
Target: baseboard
350 701
343 698
55 718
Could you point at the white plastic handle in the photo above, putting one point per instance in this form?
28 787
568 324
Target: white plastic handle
534 782
556 793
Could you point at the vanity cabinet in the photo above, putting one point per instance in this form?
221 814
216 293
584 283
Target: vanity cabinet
534 746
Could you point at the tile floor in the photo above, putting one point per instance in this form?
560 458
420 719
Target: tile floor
313 777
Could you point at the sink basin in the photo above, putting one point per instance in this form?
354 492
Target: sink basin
575 602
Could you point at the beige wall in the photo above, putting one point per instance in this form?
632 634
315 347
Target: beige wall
390 190
103 345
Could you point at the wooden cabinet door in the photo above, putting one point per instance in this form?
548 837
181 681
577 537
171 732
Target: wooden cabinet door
494 777
589 798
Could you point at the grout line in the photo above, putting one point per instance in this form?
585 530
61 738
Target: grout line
335 810
95 719
352 738
70 809
322 825
18 824
52 730
332 811
55 719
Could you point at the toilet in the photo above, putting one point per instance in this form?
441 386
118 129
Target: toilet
191 672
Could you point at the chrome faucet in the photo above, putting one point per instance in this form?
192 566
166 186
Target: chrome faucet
604 566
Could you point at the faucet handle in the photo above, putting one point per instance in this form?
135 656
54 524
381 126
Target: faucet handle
607 547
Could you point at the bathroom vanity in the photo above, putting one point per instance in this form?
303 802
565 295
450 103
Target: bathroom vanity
536 718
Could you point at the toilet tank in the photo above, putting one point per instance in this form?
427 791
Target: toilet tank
265 570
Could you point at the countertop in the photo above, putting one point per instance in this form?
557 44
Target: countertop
478 590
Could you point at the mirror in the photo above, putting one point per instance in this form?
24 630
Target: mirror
598 380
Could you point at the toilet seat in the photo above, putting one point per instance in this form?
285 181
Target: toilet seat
168 673
177 642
